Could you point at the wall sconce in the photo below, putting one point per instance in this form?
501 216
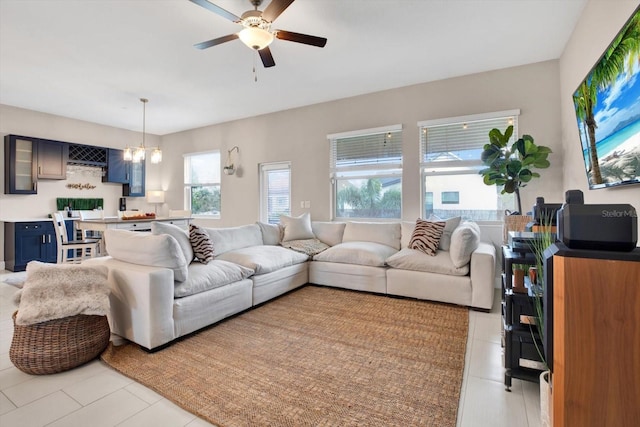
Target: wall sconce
229 168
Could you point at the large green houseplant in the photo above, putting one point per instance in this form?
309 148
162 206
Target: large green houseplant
510 167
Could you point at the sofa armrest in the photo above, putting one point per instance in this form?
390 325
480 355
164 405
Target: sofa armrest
483 265
141 301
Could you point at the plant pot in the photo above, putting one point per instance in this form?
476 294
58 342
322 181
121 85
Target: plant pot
545 395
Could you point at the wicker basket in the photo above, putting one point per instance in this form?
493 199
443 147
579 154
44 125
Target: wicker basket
58 345
514 223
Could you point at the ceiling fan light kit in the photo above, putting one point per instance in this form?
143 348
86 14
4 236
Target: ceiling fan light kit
257 33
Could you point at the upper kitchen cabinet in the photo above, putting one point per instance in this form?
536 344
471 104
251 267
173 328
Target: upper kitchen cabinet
52 159
20 165
130 174
117 168
27 159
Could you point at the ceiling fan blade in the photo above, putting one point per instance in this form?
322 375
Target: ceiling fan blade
267 58
301 38
217 9
275 8
215 42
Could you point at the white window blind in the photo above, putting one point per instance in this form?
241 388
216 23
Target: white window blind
461 138
275 191
370 149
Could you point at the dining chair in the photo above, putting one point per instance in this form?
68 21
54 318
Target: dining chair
72 251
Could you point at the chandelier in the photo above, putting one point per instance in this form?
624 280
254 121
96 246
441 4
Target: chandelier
138 154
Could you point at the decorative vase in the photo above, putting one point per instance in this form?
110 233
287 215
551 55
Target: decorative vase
533 275
545 394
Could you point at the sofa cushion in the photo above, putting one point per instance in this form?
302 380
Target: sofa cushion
264 259
360 253
147 249
328 232
426 236
296 228
445 240
232 238
271 233
203 277
181 236
464 240
379 232
412 259
201 243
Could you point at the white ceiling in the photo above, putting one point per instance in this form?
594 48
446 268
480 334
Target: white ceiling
93 59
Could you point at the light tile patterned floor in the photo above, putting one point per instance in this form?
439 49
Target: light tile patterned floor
94 395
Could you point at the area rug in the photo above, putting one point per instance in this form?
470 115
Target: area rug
315 357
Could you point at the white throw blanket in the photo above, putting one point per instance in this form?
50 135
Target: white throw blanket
54 291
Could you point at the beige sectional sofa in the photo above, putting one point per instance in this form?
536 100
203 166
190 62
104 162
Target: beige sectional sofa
159 293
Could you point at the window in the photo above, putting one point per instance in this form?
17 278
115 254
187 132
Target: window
366 173
450 161
275 191
202 183
450 197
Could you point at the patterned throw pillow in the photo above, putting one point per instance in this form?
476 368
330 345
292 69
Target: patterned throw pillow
426 236
201 244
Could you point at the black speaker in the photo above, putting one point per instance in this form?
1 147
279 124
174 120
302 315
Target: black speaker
123 204
597 227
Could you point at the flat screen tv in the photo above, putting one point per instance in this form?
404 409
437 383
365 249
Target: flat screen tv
607 105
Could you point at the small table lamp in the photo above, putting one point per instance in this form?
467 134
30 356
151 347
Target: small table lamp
156 197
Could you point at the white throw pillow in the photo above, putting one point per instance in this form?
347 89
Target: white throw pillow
379 232
464 240
328 232
297 228
181 236
147 249
451 225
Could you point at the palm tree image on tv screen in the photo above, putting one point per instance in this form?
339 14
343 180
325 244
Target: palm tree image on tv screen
607 105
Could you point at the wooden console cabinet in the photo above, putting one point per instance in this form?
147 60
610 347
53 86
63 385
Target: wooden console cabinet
596 339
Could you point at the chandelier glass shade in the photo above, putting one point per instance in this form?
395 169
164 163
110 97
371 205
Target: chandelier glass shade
255 37
138 154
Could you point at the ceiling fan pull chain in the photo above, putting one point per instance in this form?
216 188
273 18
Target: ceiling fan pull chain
255 70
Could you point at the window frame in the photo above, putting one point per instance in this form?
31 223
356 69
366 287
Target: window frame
457 167
383 169
263 169
188 186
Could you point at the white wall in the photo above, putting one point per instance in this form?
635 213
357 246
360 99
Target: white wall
299 136
600 22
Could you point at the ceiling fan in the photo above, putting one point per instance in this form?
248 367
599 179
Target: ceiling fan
257 33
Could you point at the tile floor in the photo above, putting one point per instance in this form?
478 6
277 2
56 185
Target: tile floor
94 395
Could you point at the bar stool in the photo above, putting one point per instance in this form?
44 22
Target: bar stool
80 249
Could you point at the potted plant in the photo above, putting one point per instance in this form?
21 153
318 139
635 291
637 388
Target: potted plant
510 167
518 277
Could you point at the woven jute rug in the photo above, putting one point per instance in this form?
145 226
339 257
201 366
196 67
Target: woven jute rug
315 357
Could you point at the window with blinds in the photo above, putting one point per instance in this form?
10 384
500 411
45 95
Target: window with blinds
450 152
202 183
275 191
366 173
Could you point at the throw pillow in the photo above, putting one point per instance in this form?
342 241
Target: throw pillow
464 240
178 233
296 228
201 244
271 233
426 236
452 223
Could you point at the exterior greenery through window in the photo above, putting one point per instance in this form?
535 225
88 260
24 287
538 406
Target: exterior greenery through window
202 183
275 191
366 173
450 151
